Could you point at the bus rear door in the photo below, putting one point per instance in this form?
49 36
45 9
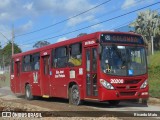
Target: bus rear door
17 76
45 73
91 73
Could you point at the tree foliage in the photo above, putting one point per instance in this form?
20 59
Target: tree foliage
0 46
40 44
6 52
147 24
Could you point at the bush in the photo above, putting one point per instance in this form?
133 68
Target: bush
154 81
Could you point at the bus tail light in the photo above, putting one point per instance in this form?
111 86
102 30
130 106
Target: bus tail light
106 84
144 85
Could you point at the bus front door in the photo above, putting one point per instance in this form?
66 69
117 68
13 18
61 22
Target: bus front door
45 76
91 73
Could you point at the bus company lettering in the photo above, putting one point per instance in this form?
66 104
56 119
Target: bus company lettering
89 42
59 74
17 59
35 77
45 53
118 81
12 76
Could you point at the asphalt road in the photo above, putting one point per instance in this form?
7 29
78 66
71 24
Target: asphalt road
57 104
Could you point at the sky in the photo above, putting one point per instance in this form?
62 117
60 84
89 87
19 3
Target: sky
28 18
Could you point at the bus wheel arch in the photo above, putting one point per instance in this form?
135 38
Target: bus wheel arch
28 92
74 94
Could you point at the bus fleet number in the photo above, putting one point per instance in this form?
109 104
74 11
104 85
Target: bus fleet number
119 81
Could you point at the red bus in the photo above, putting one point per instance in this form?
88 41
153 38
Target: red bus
102 66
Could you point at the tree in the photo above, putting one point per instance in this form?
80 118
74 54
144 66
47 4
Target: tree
147 24
157 41
40 44
7 52
0 46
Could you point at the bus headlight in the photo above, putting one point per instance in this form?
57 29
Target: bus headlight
106 84
144 85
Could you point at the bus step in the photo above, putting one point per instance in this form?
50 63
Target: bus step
45 96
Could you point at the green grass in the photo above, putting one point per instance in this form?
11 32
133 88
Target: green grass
154 60
154 74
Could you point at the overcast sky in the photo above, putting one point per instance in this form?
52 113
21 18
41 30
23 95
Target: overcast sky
31 15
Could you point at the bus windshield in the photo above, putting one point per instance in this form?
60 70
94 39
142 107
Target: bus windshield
123 60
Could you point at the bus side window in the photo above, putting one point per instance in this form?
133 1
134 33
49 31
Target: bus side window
94 59
75 58
35 61
61 57
52 59
27 63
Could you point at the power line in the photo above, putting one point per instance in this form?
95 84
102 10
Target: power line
5 38
107 13
63 20
99 22
122 25
91 20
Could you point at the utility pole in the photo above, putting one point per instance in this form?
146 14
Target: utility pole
13 40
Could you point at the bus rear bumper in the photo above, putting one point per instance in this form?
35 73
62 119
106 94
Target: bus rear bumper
119 95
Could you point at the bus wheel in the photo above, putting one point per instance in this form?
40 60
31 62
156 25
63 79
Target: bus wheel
114 102
74 95
144 101
28 93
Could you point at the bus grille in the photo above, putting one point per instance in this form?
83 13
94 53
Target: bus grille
124 87
131 84
132 81
127 93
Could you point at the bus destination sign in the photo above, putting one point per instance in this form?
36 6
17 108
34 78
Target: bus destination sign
115 38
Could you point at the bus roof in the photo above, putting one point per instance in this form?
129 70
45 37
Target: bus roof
71 41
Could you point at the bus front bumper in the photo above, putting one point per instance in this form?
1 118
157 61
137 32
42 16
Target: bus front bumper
122 95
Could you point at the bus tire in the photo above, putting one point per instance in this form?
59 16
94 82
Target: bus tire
114 102
69 95
144 101
28 92
74 95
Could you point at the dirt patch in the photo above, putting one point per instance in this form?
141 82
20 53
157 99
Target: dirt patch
24 107
154 100
10 106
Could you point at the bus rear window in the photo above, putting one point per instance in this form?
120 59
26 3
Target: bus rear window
27 63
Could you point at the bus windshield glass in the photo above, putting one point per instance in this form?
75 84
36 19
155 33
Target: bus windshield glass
123 60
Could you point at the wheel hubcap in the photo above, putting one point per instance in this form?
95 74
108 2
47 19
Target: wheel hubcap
75 96
27 93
